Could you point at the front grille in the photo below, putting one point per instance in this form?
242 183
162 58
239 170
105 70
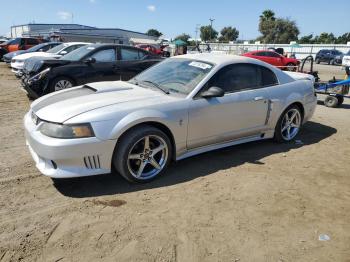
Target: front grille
92 162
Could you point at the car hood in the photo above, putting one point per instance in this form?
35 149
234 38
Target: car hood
16 53
32 54
60 106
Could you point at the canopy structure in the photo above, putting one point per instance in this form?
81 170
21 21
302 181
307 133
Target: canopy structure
179 42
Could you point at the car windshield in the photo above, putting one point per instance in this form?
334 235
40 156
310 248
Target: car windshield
56 49
36 47
177 75
78 54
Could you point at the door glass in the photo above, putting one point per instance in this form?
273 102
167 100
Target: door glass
129 54
107 55
237 77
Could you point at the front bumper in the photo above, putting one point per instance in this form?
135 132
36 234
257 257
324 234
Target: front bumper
34 88
66 158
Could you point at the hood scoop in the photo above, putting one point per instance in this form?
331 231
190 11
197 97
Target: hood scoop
102 87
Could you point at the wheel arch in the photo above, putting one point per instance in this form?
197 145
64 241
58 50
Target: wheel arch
161 126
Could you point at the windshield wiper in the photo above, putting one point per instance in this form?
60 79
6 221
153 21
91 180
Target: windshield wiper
156 85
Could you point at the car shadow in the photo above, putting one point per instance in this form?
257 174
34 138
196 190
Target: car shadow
194 167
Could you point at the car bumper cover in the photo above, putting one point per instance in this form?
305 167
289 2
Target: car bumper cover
66 158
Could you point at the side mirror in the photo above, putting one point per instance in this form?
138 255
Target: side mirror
63 52
213 91
90 60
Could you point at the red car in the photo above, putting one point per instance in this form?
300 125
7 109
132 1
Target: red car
20 43
275 59
151 48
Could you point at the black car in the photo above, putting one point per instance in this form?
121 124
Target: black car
37 48
331 57
90 63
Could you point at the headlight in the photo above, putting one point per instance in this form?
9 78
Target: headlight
40 75
66 131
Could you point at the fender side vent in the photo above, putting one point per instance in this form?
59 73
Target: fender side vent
92 162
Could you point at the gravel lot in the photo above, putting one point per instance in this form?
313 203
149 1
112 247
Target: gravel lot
255 202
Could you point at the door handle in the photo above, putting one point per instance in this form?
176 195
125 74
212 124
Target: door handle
258 98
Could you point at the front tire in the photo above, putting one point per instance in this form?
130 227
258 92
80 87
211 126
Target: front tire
142 154
60 83
288 125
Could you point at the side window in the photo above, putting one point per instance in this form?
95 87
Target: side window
272 54
260 54
107 55
268 78
129 54
32 41
236 77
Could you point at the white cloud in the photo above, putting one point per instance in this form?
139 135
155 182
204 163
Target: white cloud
151 8
92 1
64 15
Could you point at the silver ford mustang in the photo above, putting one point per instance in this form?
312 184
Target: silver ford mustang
181 107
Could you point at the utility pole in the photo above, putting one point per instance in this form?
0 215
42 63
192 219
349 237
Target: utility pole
211 27
197 29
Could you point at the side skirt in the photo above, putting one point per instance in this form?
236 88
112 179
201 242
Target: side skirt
266 135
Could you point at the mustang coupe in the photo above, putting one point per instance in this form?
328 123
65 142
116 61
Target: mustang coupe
183 106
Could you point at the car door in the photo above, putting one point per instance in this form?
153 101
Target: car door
103 68
275 59
241 112
133 61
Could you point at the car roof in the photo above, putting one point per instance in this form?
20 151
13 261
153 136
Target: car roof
216 58
76 43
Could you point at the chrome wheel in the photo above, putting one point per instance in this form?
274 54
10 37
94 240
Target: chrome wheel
62 84
290 124
147 157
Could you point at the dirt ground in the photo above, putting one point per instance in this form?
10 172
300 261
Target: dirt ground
255 202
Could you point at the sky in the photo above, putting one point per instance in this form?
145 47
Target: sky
175 17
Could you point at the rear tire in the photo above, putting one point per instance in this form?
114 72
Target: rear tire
340 100
317 60
142 154
331 62
291 67
331 101
288 125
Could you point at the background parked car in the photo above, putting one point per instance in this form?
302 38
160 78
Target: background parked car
19 43
275 59
330 57
3 47
38 48
92 63
346 62
18 61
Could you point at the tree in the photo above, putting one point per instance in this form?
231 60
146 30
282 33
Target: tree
208 33
228 34
154 32
277 30
268 15
307 39
326 38
343 39
184 37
